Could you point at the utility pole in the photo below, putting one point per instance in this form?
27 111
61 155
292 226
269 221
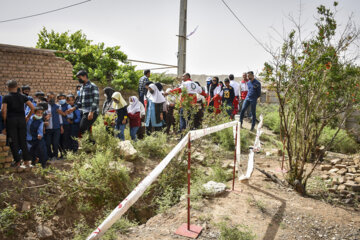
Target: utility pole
182 39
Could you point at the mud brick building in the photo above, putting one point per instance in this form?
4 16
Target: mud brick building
38 68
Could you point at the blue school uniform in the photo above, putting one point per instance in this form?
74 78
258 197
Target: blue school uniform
37 147
75 129
65 141
53 131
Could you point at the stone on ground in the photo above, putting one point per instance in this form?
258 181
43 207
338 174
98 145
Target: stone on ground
127 149
213 188
44 232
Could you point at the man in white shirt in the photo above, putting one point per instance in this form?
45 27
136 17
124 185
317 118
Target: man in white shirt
191 89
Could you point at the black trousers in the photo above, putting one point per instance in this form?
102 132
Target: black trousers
38 150
16 136
85 124
65 138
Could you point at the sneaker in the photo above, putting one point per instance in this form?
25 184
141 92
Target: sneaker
28 164
241 126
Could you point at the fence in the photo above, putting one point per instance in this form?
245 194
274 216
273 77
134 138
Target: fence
148 180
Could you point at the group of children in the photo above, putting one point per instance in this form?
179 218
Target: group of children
48 130
157 109
46 127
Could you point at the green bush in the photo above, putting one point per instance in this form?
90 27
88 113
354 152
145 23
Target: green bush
246 140
238 232
153 146
271 116
169 198
272 121
219 174
162 78
225 138
8 217
343 142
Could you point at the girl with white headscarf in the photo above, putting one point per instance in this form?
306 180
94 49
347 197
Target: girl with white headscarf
120 105
135 111
154 109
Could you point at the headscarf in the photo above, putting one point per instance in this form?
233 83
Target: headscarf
122 103
156 97
134 105
148 94
221 84
108 101
212 88
108 92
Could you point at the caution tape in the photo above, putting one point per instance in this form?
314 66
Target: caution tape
253 149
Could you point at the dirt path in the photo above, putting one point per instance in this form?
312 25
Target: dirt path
270 211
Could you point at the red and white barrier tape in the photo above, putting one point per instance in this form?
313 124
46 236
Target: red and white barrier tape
255 148
148 180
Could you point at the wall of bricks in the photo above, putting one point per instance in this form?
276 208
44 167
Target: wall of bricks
5 155
40 69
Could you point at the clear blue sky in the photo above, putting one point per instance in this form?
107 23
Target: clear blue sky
147 29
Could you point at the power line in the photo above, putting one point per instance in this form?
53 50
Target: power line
38 14
262 45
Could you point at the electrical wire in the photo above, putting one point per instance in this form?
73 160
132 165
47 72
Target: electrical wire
228 7
38 14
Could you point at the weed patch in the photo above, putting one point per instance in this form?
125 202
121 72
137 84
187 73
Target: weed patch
238 232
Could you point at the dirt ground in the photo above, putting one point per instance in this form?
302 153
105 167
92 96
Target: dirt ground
266 208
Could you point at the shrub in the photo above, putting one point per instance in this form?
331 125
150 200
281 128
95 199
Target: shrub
162 78
8 217
153 146
169 197
219 174
246 140
225 138
238 232
170 185
343 142
272 121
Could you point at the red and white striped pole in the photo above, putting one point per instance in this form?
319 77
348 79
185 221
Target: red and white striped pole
187 230
189 182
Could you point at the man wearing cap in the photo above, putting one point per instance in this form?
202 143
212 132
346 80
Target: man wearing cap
88 102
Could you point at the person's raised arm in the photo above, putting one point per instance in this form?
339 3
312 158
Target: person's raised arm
4 115
32 110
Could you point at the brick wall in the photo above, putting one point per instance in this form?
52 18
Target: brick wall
40 69
5 155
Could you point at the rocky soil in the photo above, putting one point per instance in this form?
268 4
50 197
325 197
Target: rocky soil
269 210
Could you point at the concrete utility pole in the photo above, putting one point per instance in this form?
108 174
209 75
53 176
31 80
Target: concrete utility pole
182 39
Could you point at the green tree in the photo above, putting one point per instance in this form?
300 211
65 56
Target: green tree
104 64
317 85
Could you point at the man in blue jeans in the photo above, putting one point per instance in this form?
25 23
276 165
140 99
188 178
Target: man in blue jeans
251 99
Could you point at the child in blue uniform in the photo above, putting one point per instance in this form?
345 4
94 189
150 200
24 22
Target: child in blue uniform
35 137
75 124
65 139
